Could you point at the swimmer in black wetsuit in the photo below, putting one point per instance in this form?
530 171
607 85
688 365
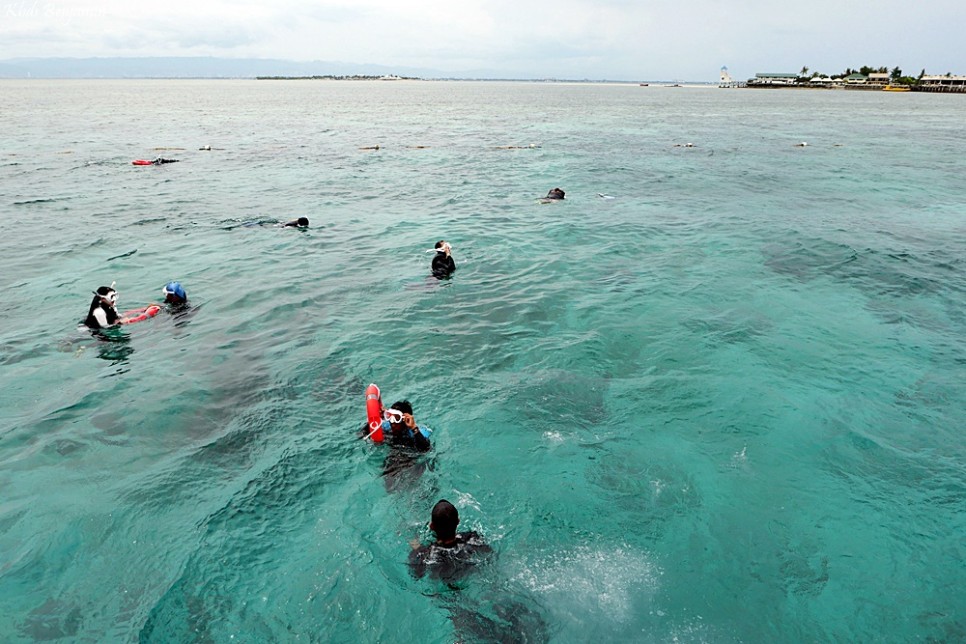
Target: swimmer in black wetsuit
103 312
403 430
301 222
161 160
443 263
554 194
453 554
407 441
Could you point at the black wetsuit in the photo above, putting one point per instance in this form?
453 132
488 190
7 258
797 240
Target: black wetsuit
409 440
161 160
556 193
452 561
443 265
92 322
402 465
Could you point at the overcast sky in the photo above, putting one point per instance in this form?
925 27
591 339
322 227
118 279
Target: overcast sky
597 39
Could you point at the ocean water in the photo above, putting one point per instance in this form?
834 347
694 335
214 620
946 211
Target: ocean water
725 404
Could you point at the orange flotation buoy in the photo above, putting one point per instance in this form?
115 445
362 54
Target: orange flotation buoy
141 314
374 413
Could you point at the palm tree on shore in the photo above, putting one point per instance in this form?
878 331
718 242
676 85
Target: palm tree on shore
804 71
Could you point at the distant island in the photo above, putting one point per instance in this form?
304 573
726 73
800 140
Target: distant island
353 77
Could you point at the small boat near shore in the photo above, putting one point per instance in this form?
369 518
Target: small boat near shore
896 88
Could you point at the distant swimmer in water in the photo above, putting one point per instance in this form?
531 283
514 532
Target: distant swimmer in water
443 263
301 222
453 554
684 145
103 312
162 160
370 147
205 147
532 146
803 144
174 294
556 194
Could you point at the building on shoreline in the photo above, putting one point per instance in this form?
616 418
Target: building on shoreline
770 79
875 81
878 78
948 84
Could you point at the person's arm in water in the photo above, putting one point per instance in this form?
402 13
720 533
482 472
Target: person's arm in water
421 441
420 435
134 315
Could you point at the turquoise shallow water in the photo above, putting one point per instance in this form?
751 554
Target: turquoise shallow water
725 405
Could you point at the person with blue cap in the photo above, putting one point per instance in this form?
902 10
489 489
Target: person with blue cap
174 293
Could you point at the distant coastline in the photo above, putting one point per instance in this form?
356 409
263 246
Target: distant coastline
865 79
353 77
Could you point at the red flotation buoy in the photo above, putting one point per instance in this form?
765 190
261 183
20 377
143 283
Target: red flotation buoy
141 314
142 162
374 413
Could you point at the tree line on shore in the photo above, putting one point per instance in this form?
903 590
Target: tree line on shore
896 77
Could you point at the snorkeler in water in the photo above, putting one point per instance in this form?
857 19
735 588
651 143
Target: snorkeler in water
174 294
453 554
443 262
301 222
408 441
103 311
555 194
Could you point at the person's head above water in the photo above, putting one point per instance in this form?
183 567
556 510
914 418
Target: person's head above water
555 193
301 222
400 415
445 518
174 293
103 310
443 262
105 294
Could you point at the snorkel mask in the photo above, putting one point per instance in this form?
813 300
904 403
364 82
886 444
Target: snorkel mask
107 294
445 248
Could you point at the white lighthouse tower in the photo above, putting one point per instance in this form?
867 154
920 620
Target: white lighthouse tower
726 80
